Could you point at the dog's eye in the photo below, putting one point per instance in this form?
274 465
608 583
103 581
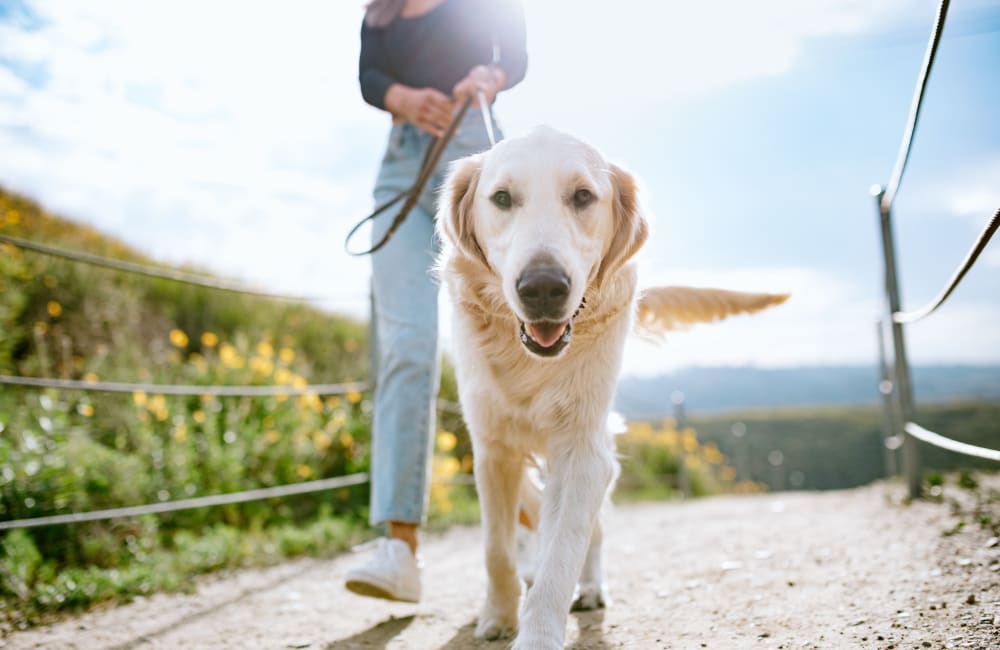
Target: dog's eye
582 198
502 199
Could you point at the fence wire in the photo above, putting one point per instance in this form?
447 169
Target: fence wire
189 504
970 260
142 269
185 389
943 442
915 105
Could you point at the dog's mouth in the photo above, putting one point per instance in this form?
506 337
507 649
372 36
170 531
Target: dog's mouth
548 338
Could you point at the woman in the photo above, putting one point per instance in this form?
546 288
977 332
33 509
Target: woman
419 60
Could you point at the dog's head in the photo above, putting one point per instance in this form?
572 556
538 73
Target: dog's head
551 219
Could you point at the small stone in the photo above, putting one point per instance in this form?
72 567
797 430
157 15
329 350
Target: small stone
993 541
971 600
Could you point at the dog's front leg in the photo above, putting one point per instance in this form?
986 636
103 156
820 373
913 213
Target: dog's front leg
498 480
580 475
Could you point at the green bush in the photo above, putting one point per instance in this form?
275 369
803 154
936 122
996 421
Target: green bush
76 451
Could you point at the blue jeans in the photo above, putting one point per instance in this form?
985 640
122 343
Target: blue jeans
405 324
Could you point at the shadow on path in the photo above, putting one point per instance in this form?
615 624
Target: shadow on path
377 636
465 638
591 625
188 619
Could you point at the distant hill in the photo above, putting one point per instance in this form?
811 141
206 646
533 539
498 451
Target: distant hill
709 390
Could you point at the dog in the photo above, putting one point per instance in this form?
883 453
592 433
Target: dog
538 234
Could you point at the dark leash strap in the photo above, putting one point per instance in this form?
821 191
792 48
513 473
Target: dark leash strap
431 157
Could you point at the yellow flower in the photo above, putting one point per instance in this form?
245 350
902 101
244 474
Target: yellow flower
86 410
198 416
139 398
690 440
287 355
178 338
13 217
467 463
180 432
157 405
446 467
230 357
272 437
322 440
282 376
91 378
332 403
54 309
261 366
353 397
299 382
265 349
446 441
41 327
346 440
304 471
209 340
311 401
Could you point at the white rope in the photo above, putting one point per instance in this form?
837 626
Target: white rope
938 440
142 269
187 504
185 389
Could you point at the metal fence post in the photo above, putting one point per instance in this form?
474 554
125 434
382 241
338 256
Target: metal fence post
683 478
900 368
890 436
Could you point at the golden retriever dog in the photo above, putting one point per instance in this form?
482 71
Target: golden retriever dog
537 236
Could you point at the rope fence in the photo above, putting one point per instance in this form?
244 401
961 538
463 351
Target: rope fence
142 269
899 403
184 389
259 494
956 279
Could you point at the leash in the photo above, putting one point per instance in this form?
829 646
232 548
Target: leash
412 194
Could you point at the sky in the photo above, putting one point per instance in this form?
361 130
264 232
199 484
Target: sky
232 136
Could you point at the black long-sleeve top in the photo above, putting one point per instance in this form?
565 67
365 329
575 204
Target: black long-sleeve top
438 48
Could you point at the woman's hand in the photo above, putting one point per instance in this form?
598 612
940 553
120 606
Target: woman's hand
486 78
427 108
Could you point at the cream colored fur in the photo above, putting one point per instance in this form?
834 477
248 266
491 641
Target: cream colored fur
517 404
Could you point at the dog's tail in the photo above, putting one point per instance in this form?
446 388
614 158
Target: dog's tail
662 309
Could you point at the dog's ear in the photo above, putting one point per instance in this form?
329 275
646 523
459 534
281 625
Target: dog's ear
455 216
630 227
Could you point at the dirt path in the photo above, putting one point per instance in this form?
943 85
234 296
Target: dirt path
843 569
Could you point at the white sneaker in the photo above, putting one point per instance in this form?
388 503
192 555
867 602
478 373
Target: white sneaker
392 573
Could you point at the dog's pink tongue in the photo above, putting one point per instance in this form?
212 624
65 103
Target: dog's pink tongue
546 334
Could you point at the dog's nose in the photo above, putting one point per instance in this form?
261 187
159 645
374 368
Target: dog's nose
543 291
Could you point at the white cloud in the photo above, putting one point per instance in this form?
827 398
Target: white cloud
823 322
594 64
232 135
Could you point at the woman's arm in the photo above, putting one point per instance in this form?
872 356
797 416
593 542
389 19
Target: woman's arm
372 67
427 108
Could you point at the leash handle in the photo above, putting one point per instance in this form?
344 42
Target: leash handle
434 150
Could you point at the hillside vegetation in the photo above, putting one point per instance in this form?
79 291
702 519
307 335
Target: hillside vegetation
830 448
73 451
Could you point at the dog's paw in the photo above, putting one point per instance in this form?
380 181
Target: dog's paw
589 597
526 641
497 622
491 629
